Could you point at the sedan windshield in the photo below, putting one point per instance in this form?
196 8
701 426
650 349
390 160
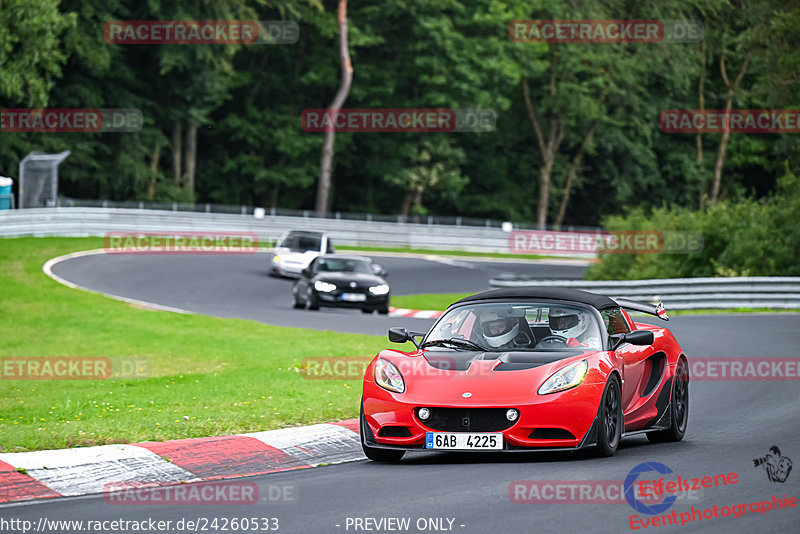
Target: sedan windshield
339 265
518 326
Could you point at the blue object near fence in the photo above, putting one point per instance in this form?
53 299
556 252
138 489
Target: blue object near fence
6 193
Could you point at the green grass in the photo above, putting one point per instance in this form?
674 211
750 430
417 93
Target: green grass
207 376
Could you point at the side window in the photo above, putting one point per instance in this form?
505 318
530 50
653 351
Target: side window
615 321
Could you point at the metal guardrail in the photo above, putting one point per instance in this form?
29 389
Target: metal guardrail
776 292
84 222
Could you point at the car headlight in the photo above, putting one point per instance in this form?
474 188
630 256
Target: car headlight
276 259
388 377
381 289
568 377
325 287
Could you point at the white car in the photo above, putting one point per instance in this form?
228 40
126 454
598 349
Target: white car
296 249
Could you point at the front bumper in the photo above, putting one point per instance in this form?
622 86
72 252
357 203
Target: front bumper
557 421
334 300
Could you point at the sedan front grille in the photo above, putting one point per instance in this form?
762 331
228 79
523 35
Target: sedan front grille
467 419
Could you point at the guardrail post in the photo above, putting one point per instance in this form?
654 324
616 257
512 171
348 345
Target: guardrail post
174 206
272 211
105 203
305 214
430 220
244 210
338 216
208 208
141 205
369 217
458 221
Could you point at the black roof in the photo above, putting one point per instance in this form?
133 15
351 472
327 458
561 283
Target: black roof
542 292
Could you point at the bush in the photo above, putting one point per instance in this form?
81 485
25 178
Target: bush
745 238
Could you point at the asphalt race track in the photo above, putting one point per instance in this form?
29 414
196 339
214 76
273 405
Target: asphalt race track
238 286
730 424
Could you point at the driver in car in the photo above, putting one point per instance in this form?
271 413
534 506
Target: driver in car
499 330
573 325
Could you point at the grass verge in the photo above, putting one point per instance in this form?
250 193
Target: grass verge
206 376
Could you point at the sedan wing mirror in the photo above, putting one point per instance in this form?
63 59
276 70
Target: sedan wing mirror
637 337
378 270
401 335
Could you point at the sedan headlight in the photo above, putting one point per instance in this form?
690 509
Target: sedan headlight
388 377
568 377
276 259
325 287
381 289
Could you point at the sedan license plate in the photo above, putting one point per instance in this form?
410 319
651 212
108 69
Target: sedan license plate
463 441
354 297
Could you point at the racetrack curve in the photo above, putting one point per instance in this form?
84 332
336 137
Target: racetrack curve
730 424
238 285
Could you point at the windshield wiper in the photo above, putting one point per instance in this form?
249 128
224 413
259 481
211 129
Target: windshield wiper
456 342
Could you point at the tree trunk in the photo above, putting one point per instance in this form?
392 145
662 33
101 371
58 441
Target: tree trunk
151 187
702 102
326 165
573 170
548 150
723 146
191 154
176 152
726 135
406 206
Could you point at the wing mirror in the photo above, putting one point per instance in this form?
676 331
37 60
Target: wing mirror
637 337
378 270
401 335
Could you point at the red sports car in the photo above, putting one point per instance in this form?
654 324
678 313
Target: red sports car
531 368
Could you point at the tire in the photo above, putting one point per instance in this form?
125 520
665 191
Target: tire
611 420
679 405
297 304
366 310
374 454
313 302
383 311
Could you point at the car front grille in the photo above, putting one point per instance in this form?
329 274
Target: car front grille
468 419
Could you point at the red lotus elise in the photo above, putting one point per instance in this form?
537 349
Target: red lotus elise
531 368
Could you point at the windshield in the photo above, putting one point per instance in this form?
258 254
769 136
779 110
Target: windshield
301 243
339 265
519 326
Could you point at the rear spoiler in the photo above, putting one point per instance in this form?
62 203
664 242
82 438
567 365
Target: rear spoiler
644 307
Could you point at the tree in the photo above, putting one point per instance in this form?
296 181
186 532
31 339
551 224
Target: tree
326 164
